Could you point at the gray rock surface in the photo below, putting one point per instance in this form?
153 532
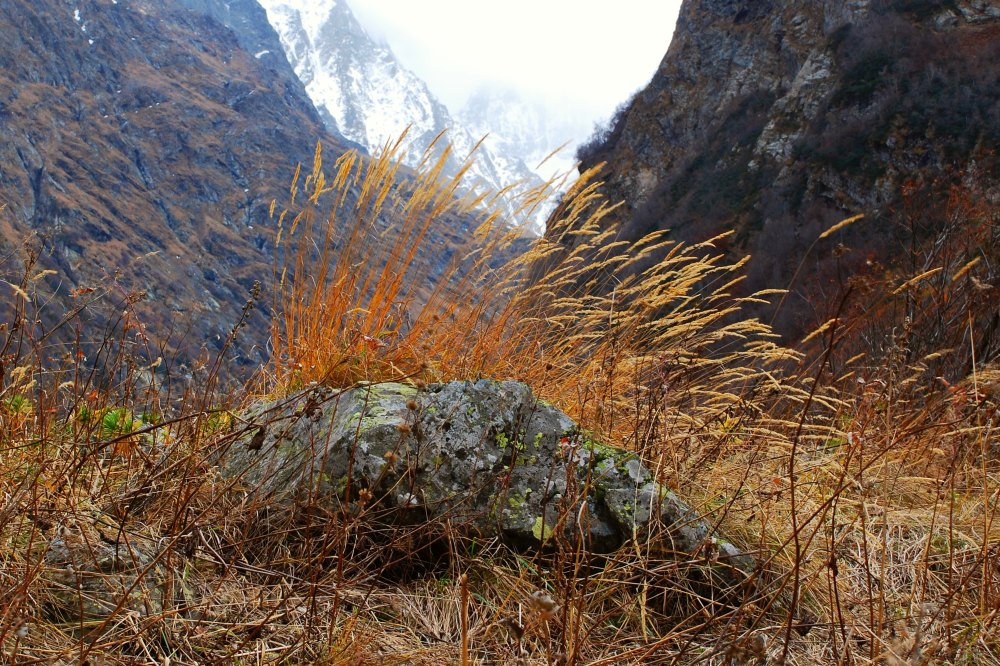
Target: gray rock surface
93 571
487 456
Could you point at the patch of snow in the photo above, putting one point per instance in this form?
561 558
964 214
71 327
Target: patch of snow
261 54
76 15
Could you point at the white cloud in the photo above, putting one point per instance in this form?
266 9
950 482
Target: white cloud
569 52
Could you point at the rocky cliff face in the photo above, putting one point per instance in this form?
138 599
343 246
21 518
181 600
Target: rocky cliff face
778 118
357 84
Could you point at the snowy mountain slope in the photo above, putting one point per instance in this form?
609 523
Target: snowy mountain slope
363 93
526 129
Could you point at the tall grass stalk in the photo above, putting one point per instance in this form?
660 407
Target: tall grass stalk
572 314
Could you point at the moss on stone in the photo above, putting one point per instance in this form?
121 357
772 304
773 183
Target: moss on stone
604 453
341 486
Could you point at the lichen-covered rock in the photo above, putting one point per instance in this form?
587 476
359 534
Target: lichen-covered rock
486 455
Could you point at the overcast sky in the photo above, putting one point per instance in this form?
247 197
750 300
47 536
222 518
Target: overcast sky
581 53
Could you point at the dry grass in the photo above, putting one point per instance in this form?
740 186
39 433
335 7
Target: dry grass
866 489
600 337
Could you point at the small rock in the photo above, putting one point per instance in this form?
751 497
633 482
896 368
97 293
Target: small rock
91 574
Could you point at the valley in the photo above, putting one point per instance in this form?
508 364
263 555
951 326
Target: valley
301 365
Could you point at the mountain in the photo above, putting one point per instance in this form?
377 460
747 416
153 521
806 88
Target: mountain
778 118
364 93
532 131
141 140
141 145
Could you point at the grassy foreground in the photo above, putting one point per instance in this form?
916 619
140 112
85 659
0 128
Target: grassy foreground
861 471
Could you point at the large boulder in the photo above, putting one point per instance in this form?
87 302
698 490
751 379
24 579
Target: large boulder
486 455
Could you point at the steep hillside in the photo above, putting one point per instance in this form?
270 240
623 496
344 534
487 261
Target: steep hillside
142 144
777 119
248 21
140 139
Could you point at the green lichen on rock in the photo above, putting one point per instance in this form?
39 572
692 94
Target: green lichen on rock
474 438
341 486
612 456
540 530
517 501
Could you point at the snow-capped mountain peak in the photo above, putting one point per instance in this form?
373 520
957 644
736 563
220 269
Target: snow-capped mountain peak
364 93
